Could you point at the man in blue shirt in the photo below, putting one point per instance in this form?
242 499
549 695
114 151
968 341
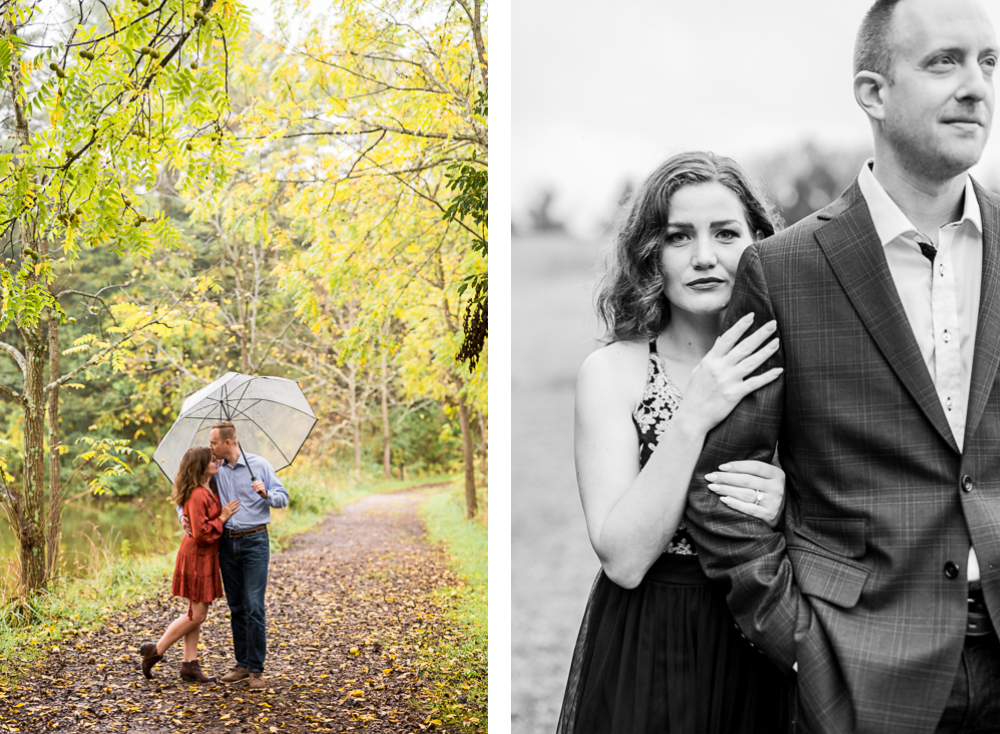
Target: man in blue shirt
244 550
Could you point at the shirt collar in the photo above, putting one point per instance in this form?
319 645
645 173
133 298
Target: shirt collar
888 218
239 460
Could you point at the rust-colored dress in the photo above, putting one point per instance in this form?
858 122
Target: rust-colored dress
196 573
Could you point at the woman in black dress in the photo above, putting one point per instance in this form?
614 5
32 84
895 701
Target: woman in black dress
658 650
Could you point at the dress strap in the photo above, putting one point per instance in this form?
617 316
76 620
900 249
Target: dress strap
652 346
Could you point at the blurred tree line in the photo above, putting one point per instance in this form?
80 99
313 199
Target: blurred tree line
182 197
799 180
805 178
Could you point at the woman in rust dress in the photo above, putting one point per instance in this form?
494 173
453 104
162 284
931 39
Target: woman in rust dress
196 573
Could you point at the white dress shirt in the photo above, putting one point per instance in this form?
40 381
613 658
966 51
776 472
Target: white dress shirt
941 299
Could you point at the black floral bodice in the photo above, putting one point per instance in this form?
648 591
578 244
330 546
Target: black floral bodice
660 401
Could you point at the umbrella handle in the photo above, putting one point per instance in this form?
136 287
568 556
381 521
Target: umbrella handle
247 462
225 407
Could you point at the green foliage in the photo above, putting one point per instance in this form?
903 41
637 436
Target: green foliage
106 454
306 245
470 182
425 439
107 124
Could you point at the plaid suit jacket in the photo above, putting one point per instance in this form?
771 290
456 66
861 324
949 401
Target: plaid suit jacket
879 501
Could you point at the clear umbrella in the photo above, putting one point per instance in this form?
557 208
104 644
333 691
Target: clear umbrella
271 415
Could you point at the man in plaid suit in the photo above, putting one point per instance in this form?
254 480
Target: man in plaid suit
883 589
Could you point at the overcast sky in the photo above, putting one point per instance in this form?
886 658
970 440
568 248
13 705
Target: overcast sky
602 92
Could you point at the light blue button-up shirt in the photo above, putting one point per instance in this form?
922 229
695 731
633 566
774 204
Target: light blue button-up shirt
234 483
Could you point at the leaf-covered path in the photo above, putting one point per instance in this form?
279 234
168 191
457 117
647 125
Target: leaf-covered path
346 604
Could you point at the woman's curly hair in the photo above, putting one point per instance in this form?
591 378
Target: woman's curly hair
194 467
630 300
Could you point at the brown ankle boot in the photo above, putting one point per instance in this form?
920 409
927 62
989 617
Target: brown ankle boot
149 657
191 672
236 674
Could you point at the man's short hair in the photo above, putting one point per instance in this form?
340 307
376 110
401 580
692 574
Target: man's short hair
873 46
227 431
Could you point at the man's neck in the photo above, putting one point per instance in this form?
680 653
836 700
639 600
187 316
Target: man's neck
234 456
928 204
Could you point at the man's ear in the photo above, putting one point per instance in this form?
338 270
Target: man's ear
869 91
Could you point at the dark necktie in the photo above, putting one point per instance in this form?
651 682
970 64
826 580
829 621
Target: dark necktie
927 249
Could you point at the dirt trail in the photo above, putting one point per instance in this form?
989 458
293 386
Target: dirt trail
345 604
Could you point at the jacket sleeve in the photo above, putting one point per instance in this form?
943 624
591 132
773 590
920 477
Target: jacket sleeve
742 552
199 508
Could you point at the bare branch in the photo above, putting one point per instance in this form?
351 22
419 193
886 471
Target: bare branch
475 18
92 296
308 134
10 392
426 133
13 352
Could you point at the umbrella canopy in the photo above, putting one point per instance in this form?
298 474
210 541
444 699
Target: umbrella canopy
271 415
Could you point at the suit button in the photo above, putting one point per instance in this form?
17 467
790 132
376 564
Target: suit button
951 570
967 483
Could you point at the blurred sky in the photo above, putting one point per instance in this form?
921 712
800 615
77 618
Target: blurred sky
601 92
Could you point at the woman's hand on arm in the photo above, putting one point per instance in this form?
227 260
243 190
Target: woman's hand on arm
738 483
722 378
632 515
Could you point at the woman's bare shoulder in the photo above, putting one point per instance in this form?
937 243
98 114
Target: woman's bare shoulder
618 367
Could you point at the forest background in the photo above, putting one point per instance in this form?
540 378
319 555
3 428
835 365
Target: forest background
182 195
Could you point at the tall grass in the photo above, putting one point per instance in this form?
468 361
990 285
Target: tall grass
460 659
30 627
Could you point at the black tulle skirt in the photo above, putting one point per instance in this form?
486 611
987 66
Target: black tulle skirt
667 657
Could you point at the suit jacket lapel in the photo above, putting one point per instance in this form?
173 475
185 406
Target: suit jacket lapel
855 254
987 352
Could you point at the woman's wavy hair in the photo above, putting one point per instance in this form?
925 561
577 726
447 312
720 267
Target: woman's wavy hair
630 300
194 466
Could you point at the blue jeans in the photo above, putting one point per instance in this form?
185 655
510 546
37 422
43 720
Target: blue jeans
244 562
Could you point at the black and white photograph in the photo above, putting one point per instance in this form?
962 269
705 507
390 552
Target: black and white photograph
755 407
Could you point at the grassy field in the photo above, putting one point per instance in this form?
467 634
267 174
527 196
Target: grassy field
552 563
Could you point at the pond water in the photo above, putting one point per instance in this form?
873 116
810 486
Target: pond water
96 525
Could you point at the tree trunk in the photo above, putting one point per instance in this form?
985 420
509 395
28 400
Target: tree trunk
357 446
55 481
484 446
469 458
386 433
355 417
33 519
